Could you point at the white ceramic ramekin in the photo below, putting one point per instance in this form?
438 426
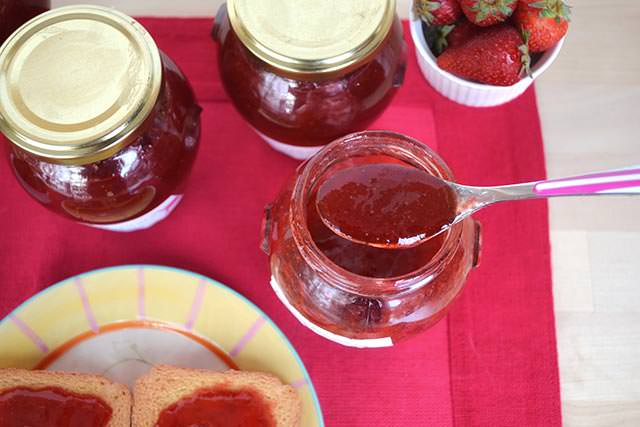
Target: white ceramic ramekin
464 91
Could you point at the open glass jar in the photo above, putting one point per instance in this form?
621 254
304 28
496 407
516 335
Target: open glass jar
14 13
103 127
304 73
354 294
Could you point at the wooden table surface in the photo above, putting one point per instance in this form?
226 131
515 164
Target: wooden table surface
589 104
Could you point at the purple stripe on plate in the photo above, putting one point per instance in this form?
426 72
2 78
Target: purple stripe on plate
91 319
195 306
141 304
299 383
253 330
29 333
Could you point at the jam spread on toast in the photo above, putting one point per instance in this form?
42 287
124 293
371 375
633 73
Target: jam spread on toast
219 407
51 407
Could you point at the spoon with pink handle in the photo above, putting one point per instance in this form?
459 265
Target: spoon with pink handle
429 205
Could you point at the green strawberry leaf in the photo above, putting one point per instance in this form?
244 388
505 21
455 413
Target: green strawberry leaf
554 9
436 37
424 9
565 11
505 10
547 14
539 4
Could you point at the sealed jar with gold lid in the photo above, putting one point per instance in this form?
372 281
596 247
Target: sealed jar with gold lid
304 72
14 13
102 126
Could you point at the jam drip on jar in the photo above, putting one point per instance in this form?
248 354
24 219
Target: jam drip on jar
51 407
219 407
387 199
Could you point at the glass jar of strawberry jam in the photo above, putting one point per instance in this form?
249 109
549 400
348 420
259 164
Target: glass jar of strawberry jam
14 13
354 294
103 127
304 73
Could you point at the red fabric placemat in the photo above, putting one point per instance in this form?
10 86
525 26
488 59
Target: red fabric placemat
493 361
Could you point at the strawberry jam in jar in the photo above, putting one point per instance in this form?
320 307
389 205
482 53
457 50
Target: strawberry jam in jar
304 73
351 293
103 128
14 13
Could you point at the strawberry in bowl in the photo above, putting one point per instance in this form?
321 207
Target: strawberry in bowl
545 22
437 12
493 52
497 56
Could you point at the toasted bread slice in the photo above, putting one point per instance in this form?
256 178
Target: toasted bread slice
165 385
117 396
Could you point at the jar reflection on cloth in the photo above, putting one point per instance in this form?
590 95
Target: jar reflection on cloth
130 173
298 106
14 13
349 308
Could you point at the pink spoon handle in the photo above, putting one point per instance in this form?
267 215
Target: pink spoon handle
622 181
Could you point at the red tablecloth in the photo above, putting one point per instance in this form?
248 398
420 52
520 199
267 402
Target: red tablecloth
492 362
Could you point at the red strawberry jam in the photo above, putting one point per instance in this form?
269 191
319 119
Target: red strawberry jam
379 203
51 407
355 294
14 13
219 407
386 205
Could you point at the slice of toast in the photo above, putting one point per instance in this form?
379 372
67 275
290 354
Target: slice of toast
117 396
165 385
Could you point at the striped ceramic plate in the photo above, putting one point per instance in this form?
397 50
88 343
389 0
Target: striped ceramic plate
119 321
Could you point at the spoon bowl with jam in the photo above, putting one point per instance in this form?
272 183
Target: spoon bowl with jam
392 206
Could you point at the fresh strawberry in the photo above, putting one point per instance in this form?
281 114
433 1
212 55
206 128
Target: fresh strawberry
488 12
437 12
461 32
546 21
496 56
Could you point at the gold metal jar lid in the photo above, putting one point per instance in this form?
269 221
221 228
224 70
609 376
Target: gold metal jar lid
75 82
311 36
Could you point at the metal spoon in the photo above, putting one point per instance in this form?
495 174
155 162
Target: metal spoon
470 199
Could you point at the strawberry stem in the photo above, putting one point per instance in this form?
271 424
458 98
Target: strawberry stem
425 8
554 9
487 8
525 58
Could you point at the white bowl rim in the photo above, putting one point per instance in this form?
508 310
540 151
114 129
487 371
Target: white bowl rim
420 42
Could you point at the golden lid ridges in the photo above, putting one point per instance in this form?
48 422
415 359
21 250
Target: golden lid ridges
76 81
311 36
